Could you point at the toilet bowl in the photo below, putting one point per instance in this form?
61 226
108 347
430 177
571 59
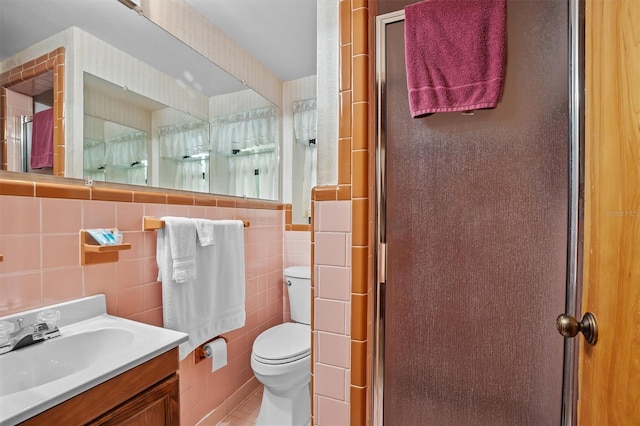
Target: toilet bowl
281 359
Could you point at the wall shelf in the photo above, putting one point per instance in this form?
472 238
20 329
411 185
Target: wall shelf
92 253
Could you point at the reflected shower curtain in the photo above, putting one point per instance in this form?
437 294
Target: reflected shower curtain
95 152
248 140
305 130
126 158
184 153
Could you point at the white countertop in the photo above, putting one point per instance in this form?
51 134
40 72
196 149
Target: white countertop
104 362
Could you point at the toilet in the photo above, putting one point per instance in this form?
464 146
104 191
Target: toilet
281 358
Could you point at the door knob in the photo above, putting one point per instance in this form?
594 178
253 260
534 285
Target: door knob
568 326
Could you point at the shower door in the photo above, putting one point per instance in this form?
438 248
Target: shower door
474 221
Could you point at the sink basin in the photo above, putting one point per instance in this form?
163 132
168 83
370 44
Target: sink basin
59 357
92 348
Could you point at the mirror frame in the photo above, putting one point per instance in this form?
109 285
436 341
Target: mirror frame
52 62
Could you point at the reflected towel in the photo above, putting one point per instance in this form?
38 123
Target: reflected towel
455 54
42 139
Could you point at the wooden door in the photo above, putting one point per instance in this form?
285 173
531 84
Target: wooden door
609 373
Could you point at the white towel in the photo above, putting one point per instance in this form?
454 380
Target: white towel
181 232
205 230
213 303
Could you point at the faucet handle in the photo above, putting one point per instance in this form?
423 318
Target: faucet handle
50 317
40 327
6 328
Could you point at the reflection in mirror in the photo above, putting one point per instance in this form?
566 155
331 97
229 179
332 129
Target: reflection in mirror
184 151
177 143
305 156
191 93
245 146
113 152
28 124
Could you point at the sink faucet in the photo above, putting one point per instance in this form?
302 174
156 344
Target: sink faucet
28 335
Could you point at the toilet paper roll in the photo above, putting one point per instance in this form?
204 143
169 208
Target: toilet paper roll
218 351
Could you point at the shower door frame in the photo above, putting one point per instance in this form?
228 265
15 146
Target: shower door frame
575 219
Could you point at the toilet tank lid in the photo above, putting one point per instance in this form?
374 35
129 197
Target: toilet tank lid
298 272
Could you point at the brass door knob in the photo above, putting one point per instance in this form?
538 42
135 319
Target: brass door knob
568 326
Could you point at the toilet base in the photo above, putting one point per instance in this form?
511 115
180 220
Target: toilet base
292 408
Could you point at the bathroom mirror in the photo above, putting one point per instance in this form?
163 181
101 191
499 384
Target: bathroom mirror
113 152
113 56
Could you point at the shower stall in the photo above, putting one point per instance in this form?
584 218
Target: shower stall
476 229
19 144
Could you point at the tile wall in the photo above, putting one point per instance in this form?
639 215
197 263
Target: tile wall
39 243
332 312
342 240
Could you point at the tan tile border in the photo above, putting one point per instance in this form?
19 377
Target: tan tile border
357 405
298 227
22 186
355 173
16 187
331 193
53 61
288 218
108 194
51 190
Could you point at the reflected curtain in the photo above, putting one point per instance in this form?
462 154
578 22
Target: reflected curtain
126 158
94 152
184 153
248 140
306 131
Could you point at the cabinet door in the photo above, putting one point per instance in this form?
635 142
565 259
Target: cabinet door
159 405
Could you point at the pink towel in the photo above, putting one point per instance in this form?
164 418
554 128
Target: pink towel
42 139
455 54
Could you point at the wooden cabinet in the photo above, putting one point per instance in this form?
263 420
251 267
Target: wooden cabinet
148 394
156 406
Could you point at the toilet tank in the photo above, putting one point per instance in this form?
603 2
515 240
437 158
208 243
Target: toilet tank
298 280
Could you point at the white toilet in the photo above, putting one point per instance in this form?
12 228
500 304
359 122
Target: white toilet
281 358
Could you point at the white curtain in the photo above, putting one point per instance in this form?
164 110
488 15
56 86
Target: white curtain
126 158
248 140
184 152
94 152
305 131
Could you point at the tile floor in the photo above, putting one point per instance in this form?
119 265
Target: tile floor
247 413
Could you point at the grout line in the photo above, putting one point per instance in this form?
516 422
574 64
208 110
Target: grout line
246 413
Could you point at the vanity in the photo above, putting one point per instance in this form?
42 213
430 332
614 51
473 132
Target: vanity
101 369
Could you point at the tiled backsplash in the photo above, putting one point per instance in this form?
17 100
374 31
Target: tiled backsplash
39 241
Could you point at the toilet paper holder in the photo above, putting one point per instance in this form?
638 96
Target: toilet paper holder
199 353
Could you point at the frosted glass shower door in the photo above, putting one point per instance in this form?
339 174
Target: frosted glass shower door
476 224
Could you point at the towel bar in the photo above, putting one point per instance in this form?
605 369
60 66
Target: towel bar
150 223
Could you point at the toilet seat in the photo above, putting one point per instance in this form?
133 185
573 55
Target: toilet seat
283 344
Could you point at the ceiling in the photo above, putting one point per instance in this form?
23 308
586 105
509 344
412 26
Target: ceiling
281 34
285 42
